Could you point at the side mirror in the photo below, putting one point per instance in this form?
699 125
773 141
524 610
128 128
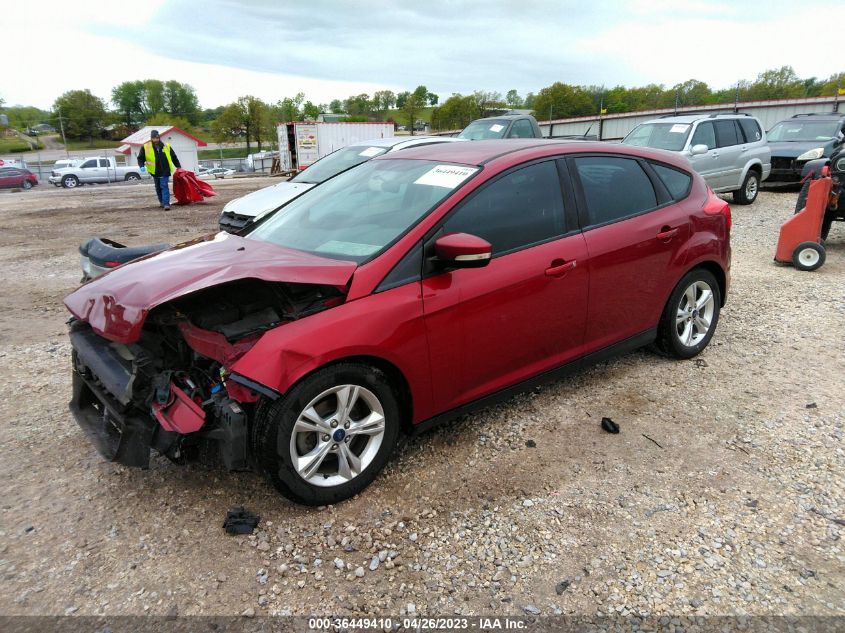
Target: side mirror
461 250
697 150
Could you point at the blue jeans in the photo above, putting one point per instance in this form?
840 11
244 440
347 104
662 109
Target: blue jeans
162 189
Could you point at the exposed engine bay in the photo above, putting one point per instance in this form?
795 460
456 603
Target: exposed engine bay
171 389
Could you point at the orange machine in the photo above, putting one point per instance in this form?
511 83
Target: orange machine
800 236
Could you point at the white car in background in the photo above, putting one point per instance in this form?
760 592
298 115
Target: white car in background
242 211
216 172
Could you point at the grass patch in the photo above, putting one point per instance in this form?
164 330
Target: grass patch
98 143
15 146
423 114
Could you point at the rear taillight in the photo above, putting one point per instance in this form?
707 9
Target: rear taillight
714 205
112 264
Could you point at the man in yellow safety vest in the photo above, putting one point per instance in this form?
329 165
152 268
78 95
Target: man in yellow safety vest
160 161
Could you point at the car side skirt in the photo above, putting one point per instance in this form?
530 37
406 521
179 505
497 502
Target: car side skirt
611 351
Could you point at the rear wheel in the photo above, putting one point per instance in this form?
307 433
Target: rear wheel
329 436
690 316
749 190
808 256
132 177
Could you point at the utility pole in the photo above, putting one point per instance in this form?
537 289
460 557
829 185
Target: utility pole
836 94
62 126
736 98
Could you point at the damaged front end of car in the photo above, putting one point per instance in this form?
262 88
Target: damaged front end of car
171 389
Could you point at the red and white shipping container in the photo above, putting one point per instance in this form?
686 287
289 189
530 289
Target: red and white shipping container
303 143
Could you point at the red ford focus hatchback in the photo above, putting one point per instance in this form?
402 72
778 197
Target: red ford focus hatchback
403 292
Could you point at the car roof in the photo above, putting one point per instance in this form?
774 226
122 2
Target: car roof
692 118
815 116
509 117
394 141
513 151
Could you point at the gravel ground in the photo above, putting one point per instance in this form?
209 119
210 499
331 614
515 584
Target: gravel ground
723 494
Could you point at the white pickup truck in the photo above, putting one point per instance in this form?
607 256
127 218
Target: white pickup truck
94 170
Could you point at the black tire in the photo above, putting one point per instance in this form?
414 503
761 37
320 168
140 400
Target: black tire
132 177
70 182
808 256
272 431
750 188
668 338
801 202
26 185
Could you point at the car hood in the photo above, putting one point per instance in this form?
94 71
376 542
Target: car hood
266 199
787 149
117 304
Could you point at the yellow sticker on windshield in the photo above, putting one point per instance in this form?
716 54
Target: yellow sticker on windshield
448 176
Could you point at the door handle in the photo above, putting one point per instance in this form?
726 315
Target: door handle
667 233
560 267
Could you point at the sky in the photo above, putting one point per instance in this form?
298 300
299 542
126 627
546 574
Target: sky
331 49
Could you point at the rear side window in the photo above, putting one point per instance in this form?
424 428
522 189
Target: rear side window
522 129
677 182
751 130
614 188
726 133
704 135
89 163
522 208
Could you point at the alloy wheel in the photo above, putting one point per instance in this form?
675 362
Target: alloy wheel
337 435
694 314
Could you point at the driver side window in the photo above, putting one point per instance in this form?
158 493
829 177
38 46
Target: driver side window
522 208
704 135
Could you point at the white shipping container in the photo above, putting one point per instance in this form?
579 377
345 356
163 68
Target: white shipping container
301 144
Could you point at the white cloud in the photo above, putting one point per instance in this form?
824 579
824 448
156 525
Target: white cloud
329 49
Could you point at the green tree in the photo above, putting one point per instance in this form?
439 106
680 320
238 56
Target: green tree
128 99
336 106
248 118
24 117
513 99
163 118
401 98
84 114
180 100
383 100
357 105
486 100
310 111
454 113
562 100
410 110
528 102
833 82
692 92
288 109
777 83
153 97
433 99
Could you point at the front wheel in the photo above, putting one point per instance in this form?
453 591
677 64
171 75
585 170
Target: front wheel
690 316
26 184
749 190
808 256
70 182
329 436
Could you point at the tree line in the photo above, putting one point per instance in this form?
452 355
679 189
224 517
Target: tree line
83 115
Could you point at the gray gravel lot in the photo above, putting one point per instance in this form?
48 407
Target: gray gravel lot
723 494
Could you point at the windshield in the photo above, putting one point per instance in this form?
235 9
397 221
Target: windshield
355 215
483 130
797 131
671 136
336 162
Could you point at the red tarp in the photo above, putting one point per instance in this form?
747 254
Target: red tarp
187 188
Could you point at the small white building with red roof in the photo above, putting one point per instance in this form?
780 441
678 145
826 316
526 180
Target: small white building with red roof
185 145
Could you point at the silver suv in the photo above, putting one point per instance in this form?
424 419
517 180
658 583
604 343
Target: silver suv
728 150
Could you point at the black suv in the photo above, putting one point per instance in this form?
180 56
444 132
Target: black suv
802 138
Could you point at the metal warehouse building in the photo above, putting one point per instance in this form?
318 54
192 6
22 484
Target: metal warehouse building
610 127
